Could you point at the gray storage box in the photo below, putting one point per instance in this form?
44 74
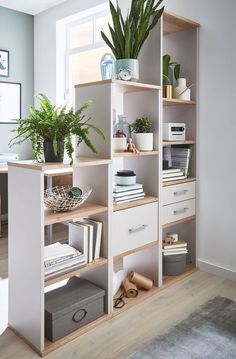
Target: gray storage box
70 307
174 265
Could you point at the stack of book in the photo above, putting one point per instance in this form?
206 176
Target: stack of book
178 157
60 259
179 247
173 175
123 194
86 236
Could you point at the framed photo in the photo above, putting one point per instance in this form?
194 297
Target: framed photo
10 102
4 63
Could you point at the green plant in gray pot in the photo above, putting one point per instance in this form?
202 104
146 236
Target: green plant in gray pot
129 34
142 133
52 128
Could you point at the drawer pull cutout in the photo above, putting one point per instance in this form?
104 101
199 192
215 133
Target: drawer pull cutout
182 210
179 193
138 228
79 315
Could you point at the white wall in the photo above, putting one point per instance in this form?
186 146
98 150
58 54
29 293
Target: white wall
217 168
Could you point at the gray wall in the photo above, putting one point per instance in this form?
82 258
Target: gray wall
217 128
16 35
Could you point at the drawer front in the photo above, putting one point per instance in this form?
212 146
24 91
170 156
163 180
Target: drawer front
134 227
178 193
177 211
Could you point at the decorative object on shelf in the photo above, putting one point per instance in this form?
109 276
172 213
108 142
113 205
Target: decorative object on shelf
131 290
10 102
123 126
174 237
119 141
107 66
129 34
174 131
59 199
125 178
143 138
171 71
182 91
124 194
131 147
140 280
50 128
75 192
118 278
174 264
4 63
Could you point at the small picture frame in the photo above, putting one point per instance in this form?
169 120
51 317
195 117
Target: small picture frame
4 63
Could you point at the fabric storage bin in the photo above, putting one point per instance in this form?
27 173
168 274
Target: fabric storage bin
70 307
174 265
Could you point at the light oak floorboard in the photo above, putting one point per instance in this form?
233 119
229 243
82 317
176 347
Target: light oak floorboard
126 333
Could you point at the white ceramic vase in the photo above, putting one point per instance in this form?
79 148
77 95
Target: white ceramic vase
143 141
127 69
181 92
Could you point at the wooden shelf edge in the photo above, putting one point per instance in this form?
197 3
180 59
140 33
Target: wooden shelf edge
130 154
172 183
128 84
155 291
138 249
90 266
51 346
173 23
178 143
140 202
176 102
187 219
90 161
84 210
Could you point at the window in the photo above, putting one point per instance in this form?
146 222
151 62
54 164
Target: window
83 49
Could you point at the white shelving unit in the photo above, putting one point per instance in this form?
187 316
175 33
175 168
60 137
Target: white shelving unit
132 232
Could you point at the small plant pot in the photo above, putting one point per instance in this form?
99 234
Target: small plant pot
53 151
168 91
127 69
143 141
119 144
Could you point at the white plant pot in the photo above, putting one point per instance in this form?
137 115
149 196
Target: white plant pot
180 91
143 141
127 69
119 144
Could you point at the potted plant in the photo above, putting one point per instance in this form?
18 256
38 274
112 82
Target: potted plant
129 34
143 137
51 129
171 70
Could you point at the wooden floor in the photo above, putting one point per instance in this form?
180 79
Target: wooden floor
124 334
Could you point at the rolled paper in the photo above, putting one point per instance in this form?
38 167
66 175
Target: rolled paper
140 280
131 290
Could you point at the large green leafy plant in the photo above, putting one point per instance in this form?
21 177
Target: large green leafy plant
54 123
129 34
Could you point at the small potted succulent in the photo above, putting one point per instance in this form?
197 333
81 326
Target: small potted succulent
142 135
51 129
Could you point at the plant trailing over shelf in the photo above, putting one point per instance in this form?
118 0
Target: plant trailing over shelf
142 125
168 68
54 126
129 34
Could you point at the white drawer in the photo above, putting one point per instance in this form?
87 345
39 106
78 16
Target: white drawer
134 227
178 193
177 211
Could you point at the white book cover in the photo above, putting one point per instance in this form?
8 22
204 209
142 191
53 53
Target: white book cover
58 250
173 178
90 239
168 175
97 236
66 264
79 238
171 170
177 244
175 252
129 200
125 193
130 196
118 189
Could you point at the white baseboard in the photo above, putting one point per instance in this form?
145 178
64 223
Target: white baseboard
217 270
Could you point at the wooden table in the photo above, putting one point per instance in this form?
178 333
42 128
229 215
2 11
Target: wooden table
49 174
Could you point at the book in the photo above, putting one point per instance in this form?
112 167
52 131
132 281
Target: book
125 193
173 178
118 189
97 236
184 251
169 175
79 238
178 244
130 196
65 264
51 262
177 250
129 200
90 239
58 250
171 170
66 270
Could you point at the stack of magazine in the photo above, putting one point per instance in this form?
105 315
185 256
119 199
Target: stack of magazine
123 194
172 175
60 259
179 247
178 158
